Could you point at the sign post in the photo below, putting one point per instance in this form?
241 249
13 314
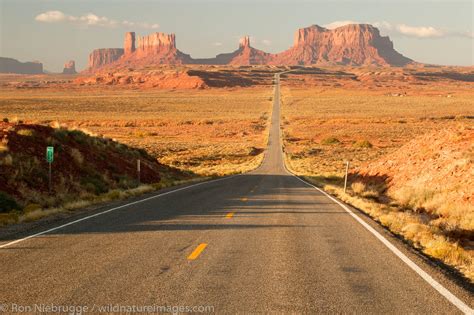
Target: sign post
138 171
345 177
49 159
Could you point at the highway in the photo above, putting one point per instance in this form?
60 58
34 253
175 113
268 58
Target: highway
264 241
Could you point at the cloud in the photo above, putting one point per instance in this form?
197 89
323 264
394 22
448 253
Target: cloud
51 17
406 30
89 19
337 24
266 42
419 31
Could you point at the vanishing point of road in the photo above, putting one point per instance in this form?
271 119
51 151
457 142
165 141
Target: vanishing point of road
264 241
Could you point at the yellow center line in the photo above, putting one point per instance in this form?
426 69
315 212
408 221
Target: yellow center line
229 215
195 254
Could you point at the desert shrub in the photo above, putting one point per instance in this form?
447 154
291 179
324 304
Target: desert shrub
61 134
7 203
314 151
255 151
79 136
114 194
26 132
371 191
3 146
31 207
95 184
363 144
77 156
330 140
142 152
358 188
126 182
55 124
7 160
186 122
5 120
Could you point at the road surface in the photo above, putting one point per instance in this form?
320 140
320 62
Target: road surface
259 242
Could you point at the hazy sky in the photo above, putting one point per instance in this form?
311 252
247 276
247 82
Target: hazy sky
53 31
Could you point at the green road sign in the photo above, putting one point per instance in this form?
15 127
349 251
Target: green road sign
50 154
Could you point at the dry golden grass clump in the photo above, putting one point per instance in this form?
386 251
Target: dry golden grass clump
418 187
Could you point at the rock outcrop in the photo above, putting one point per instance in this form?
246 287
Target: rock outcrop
10 65
245 55
129 43
70 67
104 56
156 48
353 44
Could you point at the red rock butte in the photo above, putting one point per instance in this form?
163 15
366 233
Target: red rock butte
352 44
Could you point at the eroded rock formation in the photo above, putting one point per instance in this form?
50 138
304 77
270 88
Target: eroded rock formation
129 43
70 67
10 65
353 44
104 56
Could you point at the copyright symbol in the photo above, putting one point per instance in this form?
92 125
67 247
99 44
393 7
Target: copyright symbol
3 308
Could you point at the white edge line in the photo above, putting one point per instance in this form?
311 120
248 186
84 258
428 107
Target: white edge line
112 209
463 307
435 284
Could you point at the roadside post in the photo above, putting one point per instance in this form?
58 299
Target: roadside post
345 177
49 159
138 171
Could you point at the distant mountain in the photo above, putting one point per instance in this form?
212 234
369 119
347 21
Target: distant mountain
10 65
353 44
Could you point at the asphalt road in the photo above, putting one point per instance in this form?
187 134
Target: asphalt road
260 242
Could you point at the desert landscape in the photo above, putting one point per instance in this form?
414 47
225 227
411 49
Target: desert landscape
347 100
409 147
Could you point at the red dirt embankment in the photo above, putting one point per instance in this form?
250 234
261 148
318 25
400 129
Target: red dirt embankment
83 165
432 174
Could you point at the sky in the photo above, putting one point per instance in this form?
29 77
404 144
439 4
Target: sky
55 31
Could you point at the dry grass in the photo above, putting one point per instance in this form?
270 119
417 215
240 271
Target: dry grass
33 212
209 132
408 224
324 127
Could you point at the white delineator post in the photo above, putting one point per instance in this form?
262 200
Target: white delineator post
345 177
138 171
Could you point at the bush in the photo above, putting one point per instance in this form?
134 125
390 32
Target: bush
363 144
61 134
7 203
31 207
77 156
79 136
7 160
25 132
330 140
95 184
358 188
5 120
